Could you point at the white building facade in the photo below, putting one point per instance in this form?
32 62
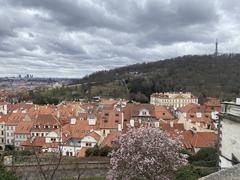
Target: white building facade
229 145
175 100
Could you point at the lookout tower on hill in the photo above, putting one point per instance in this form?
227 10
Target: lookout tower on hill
216 48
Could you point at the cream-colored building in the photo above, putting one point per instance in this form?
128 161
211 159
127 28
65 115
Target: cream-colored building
173 99
229 145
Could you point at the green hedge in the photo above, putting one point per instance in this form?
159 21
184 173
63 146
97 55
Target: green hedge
98 151
204 163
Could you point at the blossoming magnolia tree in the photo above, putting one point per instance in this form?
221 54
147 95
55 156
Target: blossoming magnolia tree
146 153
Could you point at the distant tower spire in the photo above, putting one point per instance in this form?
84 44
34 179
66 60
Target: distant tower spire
216 48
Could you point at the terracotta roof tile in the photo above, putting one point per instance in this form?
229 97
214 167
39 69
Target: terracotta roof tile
24 127
161 112
109 140
204 139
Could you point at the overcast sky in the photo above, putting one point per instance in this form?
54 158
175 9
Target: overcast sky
72 38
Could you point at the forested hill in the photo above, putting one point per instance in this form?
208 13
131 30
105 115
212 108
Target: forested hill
204 75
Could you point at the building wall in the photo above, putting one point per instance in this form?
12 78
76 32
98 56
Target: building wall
230 142
2 136
9 133
171 101
3 109
88 141
39 133
52 137
70 150
19 138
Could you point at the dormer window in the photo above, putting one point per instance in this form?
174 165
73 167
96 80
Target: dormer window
144 112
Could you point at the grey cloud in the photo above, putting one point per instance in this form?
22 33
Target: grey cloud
76 37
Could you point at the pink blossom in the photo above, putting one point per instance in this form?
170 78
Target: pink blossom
146 153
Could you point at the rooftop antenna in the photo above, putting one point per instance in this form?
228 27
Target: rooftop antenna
216 48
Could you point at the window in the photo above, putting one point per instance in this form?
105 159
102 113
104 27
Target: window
88 144
37 134
42 134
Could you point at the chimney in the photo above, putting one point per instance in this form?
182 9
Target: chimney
5 109
73 121
171 124
238 101
132 122
58 114
119 127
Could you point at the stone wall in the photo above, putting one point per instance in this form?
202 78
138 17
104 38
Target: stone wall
64 171
226 174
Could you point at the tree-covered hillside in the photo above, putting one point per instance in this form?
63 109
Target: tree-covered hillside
204 75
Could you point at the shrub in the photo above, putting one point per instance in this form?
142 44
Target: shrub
206 154
187 173
6 175
98 151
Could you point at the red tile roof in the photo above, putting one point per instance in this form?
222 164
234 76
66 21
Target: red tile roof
204 139
15 118
191 108
24 127
82 152
37 142
161 112
109 140
109 119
